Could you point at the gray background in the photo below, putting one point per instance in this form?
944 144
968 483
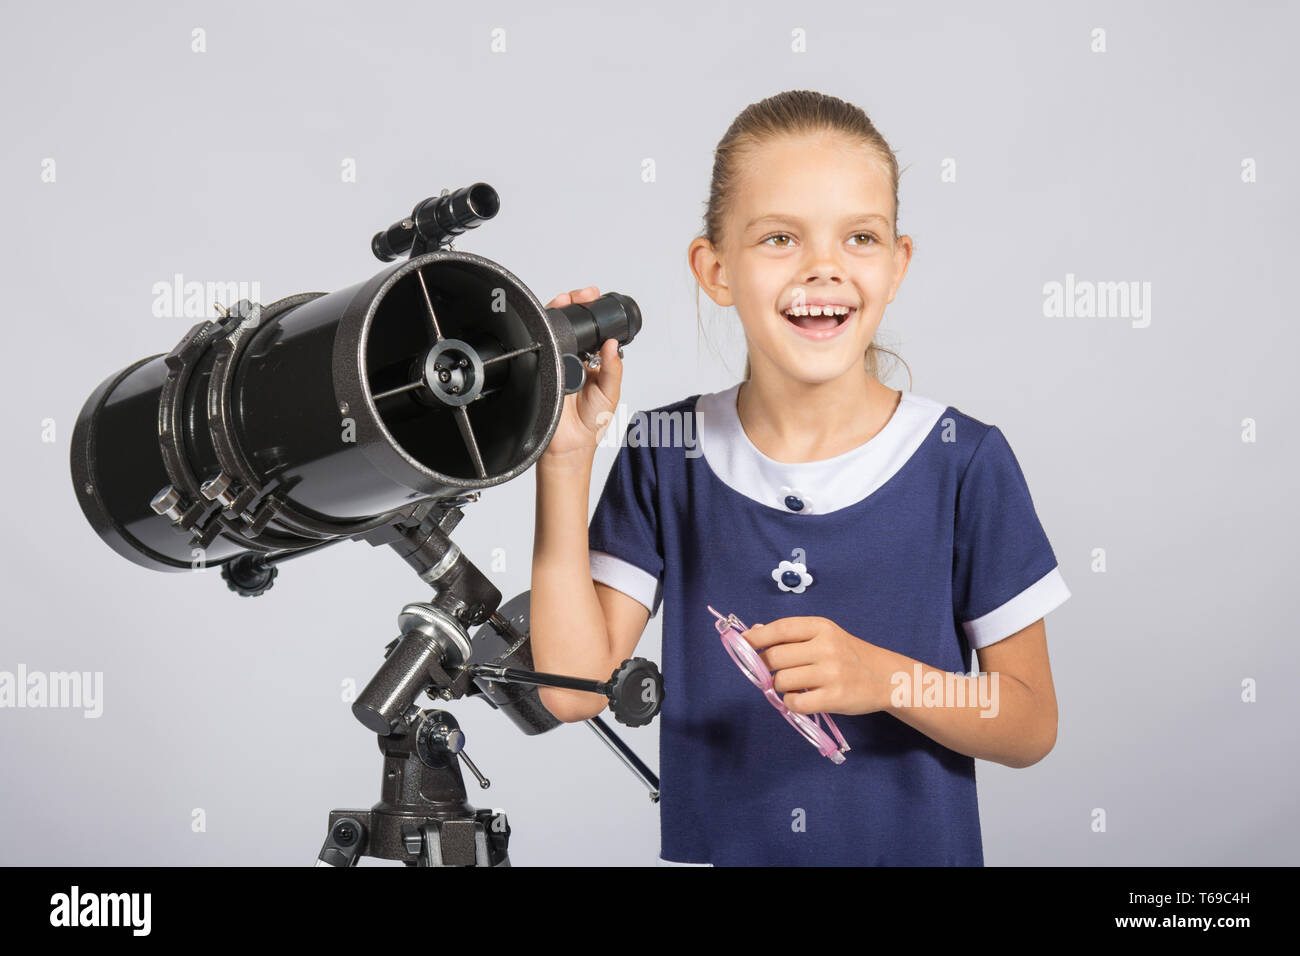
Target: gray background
225 165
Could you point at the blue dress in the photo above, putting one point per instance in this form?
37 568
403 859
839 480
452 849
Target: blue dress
923 540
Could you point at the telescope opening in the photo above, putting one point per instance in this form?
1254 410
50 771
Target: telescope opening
453 359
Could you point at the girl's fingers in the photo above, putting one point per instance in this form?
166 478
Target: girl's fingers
609 377
588 294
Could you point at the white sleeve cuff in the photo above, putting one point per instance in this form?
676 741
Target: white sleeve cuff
626 577
1046 594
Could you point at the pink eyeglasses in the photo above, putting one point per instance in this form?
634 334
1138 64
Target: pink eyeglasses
752 666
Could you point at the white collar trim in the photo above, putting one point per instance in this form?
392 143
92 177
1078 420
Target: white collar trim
820 486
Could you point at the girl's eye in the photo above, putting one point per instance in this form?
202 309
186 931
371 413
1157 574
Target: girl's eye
779 235
866 235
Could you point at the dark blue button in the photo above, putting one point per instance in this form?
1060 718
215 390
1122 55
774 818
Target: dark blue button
791 579
793 503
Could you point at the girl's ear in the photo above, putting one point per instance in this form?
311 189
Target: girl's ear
709 271
903 258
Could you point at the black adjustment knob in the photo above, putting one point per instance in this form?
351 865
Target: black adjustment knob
636 692
248 574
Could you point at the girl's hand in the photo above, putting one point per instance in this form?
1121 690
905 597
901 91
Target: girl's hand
819 666
589 411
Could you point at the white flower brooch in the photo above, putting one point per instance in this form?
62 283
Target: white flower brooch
792 576
795 500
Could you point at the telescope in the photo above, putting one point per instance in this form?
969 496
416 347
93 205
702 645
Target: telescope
375 413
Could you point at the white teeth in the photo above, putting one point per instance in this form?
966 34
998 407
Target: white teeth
819 310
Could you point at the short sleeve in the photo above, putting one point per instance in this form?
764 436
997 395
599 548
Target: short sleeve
624 536
1004 575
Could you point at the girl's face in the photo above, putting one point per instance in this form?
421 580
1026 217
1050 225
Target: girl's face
810 228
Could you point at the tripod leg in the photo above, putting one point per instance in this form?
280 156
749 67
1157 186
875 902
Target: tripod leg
472 842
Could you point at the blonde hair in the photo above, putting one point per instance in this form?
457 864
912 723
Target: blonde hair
792 112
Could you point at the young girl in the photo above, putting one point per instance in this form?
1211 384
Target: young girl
882 534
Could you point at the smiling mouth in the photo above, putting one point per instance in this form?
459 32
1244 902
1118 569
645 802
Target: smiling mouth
819 323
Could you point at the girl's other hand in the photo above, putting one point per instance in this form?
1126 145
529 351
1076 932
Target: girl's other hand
589 411
817 666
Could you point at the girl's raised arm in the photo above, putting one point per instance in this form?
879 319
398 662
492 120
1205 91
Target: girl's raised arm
578 627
